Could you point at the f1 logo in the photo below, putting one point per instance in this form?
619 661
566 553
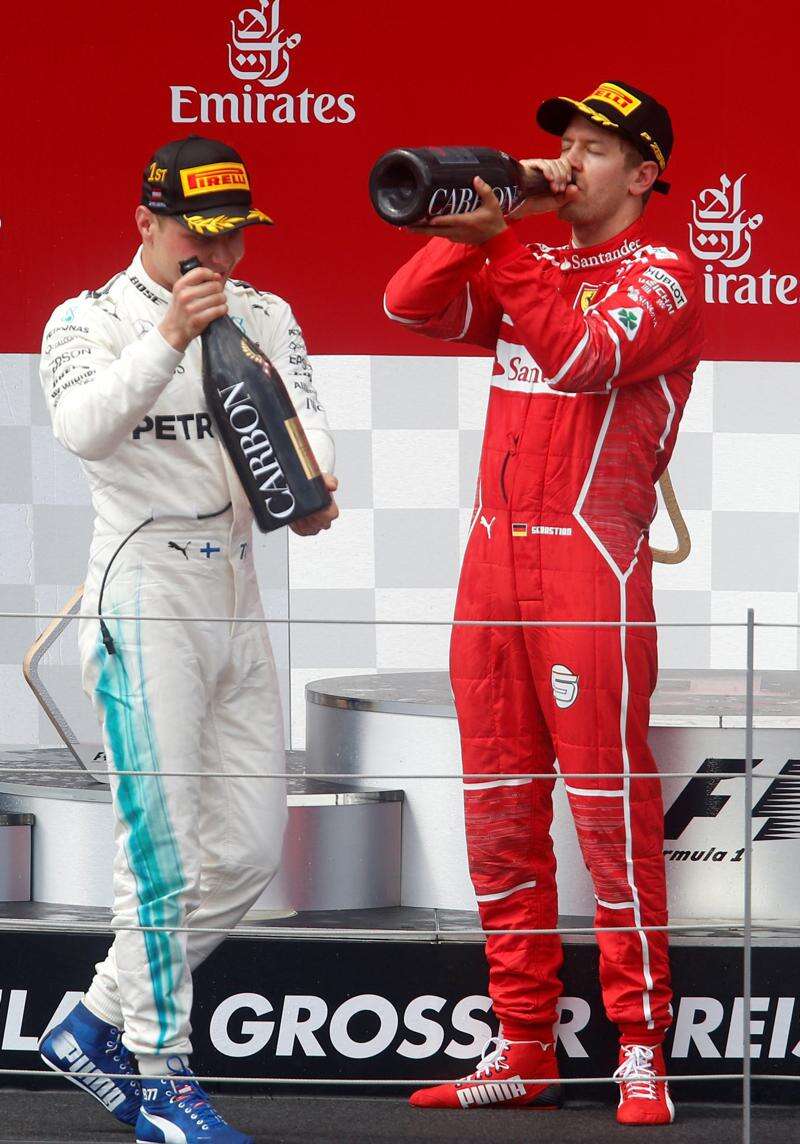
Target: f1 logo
779 805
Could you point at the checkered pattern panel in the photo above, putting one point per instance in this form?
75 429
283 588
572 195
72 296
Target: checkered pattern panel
408 433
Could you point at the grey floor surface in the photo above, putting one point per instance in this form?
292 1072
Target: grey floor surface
51 1118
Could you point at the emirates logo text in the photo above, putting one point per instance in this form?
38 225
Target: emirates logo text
259 56
721 235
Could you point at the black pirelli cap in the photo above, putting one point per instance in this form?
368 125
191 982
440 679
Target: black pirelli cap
620 107
203 184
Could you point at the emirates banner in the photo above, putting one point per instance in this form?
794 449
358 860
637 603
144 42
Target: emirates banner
311 93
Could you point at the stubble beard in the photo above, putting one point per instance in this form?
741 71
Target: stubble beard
581 212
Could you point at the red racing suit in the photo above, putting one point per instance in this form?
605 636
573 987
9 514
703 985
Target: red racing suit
594 354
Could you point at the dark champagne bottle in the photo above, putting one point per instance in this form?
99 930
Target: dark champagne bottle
258 426
409 185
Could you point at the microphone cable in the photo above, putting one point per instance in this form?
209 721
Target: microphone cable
108 641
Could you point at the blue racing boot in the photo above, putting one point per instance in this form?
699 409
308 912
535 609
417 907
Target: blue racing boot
176 1109
82 1043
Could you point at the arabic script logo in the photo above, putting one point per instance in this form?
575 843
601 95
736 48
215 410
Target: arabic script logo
259 49
260 59
720 230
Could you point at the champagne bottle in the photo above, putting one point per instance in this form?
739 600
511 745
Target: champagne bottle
258 426
409 185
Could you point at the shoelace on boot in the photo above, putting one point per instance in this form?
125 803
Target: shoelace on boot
195 1103
636 1073
120 1055
492 1059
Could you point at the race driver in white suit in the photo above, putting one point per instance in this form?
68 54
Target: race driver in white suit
121 371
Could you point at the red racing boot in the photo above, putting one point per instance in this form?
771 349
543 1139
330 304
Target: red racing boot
501 1080
643 1099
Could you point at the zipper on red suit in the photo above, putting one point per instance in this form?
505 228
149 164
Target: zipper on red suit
512 441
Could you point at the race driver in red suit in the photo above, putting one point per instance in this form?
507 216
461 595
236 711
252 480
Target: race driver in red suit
595 345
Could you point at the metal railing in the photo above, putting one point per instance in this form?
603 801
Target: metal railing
747 926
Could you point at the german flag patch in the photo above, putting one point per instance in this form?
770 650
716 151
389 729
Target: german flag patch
519 530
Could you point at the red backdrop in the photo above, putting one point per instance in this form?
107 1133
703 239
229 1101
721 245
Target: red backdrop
88 97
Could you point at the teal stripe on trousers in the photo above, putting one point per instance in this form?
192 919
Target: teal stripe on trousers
152 849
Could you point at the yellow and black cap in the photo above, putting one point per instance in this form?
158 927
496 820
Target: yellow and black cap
203 184
640 117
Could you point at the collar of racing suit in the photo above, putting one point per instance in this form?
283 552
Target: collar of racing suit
615 249
137 273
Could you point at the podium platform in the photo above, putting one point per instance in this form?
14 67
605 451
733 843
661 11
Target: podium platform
404 725
342 845
366 964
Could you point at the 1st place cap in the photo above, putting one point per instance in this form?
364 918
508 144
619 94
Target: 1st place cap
203 184
640 117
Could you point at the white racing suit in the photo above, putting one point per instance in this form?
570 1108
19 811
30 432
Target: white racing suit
178 695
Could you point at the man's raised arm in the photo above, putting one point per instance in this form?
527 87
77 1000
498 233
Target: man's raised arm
443 292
